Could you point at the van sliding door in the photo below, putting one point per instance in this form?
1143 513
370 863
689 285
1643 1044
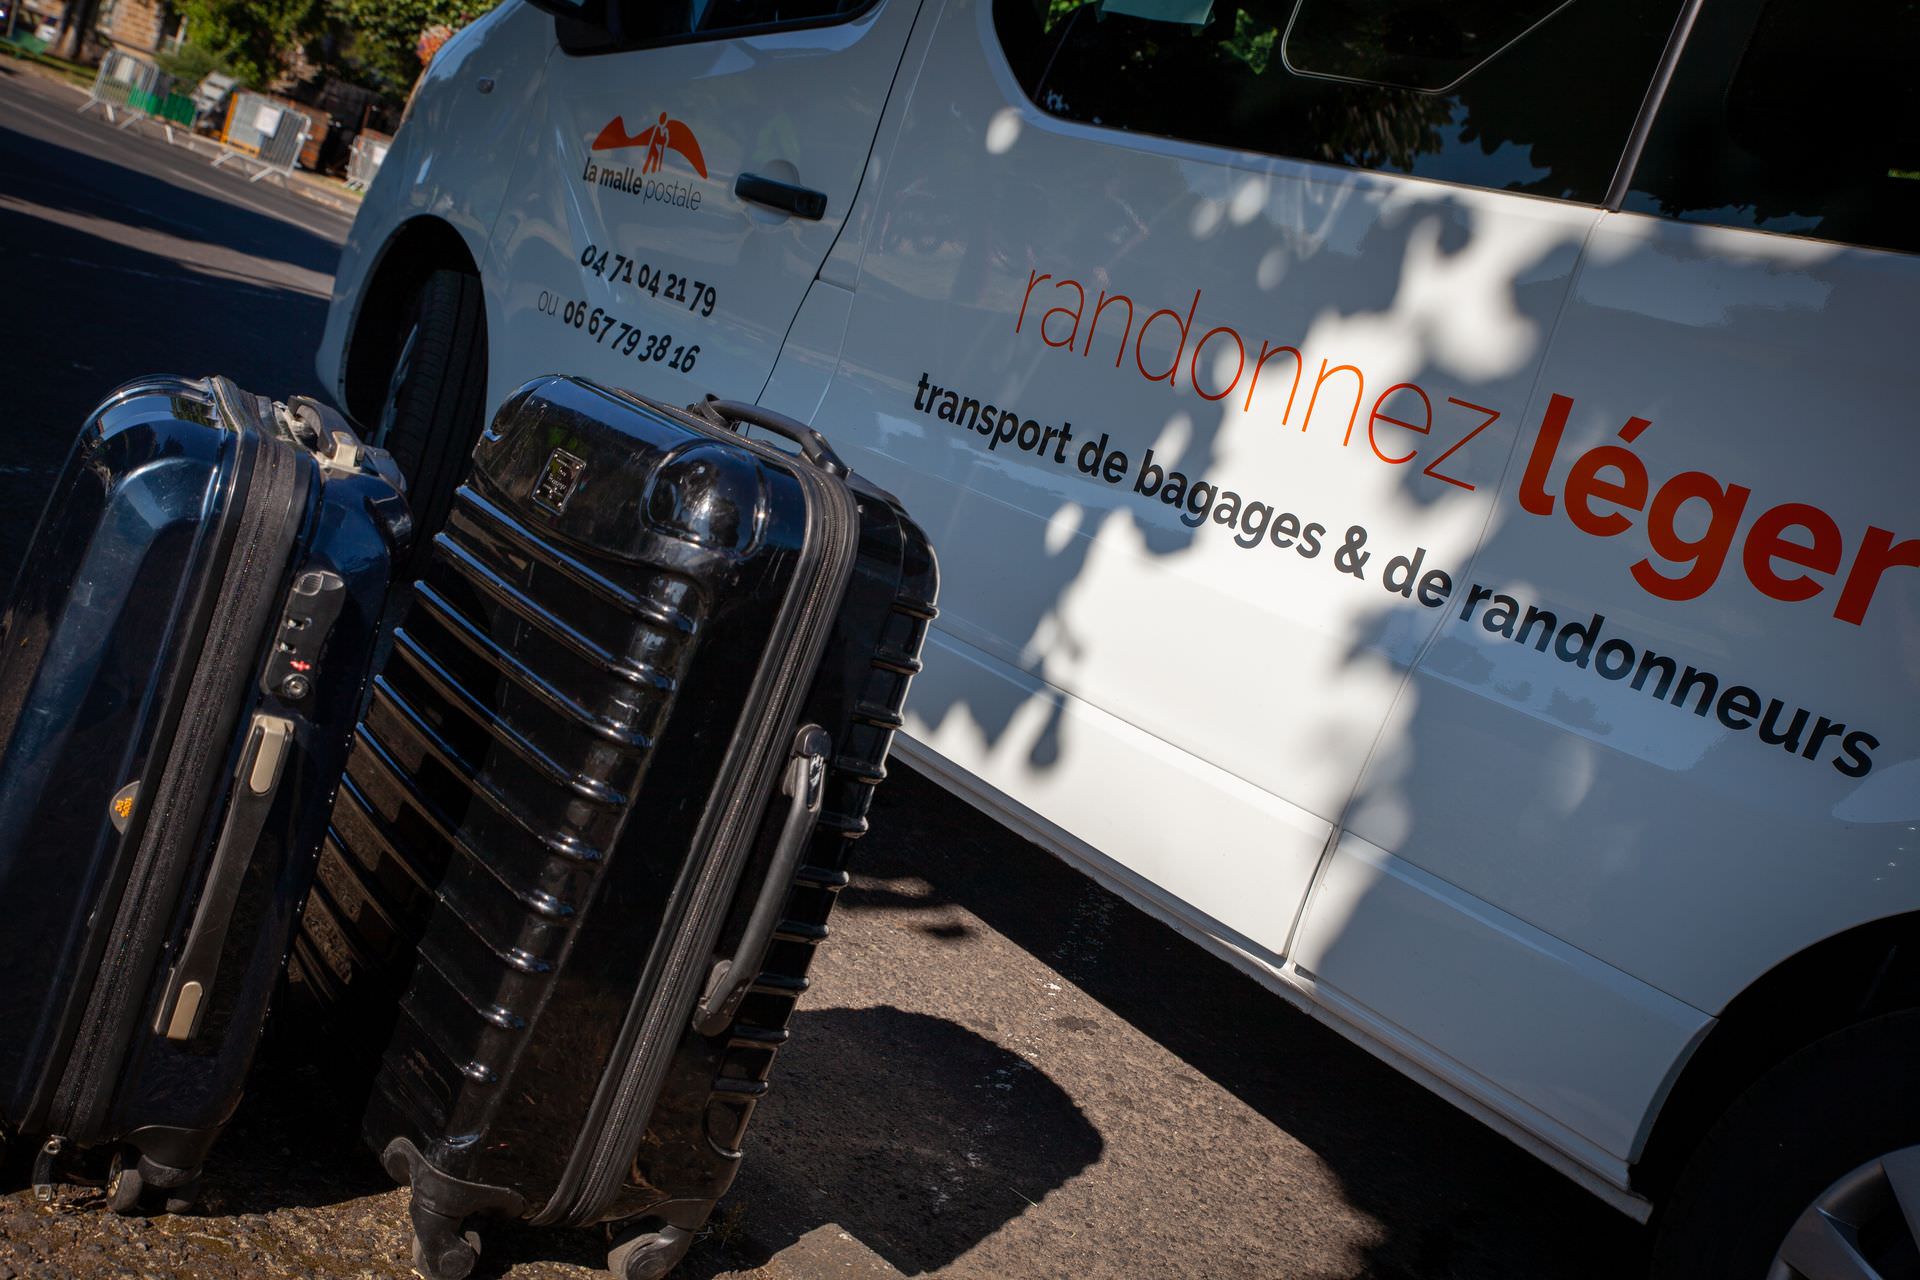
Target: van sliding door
1200 335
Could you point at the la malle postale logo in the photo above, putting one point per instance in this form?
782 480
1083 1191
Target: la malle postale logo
664 135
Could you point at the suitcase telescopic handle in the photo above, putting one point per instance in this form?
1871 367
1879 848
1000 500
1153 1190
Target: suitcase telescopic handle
813 445
189 987
729 979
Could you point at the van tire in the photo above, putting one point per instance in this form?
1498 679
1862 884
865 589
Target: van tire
1827 1111
431 414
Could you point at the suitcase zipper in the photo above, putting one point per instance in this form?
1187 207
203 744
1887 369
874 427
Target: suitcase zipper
271 509
640 1074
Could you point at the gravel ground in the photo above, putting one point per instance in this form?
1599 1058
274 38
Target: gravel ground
1001 1071
289 1192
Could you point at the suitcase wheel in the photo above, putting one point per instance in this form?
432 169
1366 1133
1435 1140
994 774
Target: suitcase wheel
125 1189
183 1198
440 1250
148 1187
648 1252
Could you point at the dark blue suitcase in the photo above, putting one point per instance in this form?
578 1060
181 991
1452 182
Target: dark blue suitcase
181 665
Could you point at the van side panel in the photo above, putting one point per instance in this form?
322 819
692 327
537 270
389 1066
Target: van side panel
1204 838
1151 400
1728 770
1566 1043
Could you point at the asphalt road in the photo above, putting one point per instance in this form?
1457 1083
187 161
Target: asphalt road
1001 1070
122 256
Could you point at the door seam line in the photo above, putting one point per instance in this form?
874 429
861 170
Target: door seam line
1345 811
866 167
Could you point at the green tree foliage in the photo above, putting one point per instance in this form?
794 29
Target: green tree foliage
252 39
378 38
190 64
369 42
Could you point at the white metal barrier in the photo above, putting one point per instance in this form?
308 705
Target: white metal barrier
364 160
261 135
252 118
277 149
123 86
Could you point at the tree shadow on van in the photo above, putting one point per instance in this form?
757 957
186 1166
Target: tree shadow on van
1163 678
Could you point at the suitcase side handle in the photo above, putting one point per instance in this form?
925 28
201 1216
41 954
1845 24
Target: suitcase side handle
813 445
728 980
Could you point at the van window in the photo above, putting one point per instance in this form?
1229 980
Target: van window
635 24
1411 46
1537 97
1783 118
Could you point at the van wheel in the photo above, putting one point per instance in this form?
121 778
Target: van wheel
431 414
1813 1174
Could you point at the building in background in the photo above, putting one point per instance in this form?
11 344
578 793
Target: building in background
142 26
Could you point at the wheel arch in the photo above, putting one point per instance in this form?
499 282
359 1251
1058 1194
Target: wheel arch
417 248
1861 973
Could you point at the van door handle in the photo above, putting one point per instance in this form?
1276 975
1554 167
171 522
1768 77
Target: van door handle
801 202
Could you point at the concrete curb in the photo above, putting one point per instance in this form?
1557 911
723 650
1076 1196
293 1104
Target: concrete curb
319 191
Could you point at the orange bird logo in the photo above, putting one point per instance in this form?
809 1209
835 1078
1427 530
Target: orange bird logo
658 138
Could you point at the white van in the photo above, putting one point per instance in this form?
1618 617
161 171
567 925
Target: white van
1424 488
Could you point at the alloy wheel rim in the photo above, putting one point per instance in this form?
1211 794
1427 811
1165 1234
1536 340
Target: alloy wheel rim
402 370
1865 1226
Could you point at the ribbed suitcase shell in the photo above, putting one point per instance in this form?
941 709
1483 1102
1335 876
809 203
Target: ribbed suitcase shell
693 1144
523 817
137 647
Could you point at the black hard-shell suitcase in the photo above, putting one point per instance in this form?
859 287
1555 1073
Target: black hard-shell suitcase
600 806
181 664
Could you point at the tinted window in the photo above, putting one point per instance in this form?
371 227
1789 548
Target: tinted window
1784 118
635 23
1411 46
1533 96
